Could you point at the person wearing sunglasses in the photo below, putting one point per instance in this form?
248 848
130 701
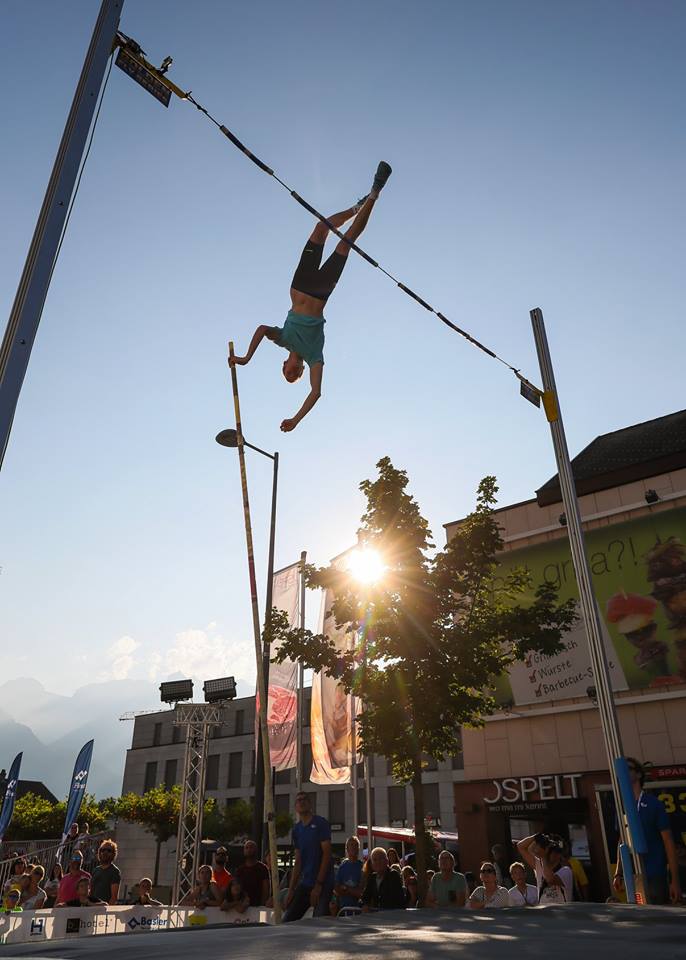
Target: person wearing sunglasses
11 901
489 895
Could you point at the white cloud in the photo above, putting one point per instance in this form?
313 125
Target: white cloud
201 654
120 659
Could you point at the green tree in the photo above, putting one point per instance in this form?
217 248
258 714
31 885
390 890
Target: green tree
433 634
36 818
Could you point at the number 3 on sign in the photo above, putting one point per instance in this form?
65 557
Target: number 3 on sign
669 801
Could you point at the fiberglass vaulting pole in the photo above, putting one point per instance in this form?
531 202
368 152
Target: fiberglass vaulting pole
261 689
24 319
589 605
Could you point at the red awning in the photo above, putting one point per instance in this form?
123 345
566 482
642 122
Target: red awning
406 834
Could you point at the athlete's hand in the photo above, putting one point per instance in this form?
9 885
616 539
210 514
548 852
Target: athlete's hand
288 425
241 361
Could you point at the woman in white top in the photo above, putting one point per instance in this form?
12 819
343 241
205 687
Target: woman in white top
523 894
33 897
489 895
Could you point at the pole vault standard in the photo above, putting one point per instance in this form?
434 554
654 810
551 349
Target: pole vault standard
261 687
589 604
27 308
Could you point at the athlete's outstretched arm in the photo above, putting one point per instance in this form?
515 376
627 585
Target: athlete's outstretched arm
262 331
316 371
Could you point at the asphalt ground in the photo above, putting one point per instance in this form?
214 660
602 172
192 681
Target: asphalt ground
572 932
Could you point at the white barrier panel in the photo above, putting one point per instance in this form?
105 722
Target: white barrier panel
66 922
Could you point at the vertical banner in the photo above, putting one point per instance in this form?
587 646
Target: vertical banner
10 795
78 786
331 716
282 700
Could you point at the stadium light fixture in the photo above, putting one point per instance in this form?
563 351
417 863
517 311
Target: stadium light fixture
174 691
222 689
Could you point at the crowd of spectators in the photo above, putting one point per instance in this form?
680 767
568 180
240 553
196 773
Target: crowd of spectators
539 870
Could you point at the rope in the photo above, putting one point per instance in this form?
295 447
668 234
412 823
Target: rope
365 256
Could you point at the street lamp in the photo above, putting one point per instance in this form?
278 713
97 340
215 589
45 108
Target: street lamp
229 438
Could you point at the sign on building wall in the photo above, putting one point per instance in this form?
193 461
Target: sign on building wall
639 579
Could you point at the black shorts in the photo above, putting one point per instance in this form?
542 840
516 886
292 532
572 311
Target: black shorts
315 280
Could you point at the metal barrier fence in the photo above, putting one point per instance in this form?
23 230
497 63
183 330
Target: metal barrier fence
45 852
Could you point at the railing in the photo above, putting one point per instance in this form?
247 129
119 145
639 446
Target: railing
45 852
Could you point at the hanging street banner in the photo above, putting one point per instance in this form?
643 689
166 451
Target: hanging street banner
78 786
639 579
10 796
331 712
282 712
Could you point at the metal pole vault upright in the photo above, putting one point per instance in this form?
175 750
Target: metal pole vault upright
197 718
261 686
25 316
589 605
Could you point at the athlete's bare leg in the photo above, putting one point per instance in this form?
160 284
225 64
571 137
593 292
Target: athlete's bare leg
357 226
321 231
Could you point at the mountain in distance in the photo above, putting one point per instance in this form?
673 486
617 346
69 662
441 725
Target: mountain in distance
51 728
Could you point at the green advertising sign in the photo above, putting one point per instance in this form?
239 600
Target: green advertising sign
639 579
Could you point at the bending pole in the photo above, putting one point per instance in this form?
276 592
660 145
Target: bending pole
24 319
261 687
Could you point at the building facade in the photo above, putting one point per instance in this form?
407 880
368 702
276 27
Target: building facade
156 756
540 763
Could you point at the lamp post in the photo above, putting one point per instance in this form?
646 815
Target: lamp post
229 438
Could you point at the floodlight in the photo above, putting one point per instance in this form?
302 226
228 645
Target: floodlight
222 689
176 690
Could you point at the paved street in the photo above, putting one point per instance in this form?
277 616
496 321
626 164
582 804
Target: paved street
574 932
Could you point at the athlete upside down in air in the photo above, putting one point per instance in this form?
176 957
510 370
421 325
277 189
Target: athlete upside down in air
303 332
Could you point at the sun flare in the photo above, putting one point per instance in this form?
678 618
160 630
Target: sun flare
366 565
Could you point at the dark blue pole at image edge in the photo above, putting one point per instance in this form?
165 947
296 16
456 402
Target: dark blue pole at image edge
25 316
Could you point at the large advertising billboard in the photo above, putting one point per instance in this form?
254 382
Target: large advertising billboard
639 579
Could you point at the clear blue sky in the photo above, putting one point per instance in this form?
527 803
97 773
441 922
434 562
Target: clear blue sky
538 152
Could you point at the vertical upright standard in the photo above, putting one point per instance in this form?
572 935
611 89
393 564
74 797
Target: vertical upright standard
301 682
261 689
258 812
27 308
589 605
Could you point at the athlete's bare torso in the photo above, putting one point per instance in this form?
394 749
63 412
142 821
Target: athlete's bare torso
309 306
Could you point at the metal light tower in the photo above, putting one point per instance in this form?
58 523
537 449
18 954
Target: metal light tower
197 718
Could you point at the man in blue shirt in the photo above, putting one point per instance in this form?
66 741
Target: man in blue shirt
311 881
661 847
302 335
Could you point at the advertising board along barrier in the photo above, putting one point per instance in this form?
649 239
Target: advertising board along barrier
65 923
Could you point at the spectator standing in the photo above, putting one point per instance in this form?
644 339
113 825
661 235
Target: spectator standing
235 897
220 875
661 887
67 888
501 864
254 875
384 889
85 843
52 886
393 856
411 886
448 887
83 896
145 898
34 896
106 876
522 894
70 844
489 895
311 882
554 880
348 886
